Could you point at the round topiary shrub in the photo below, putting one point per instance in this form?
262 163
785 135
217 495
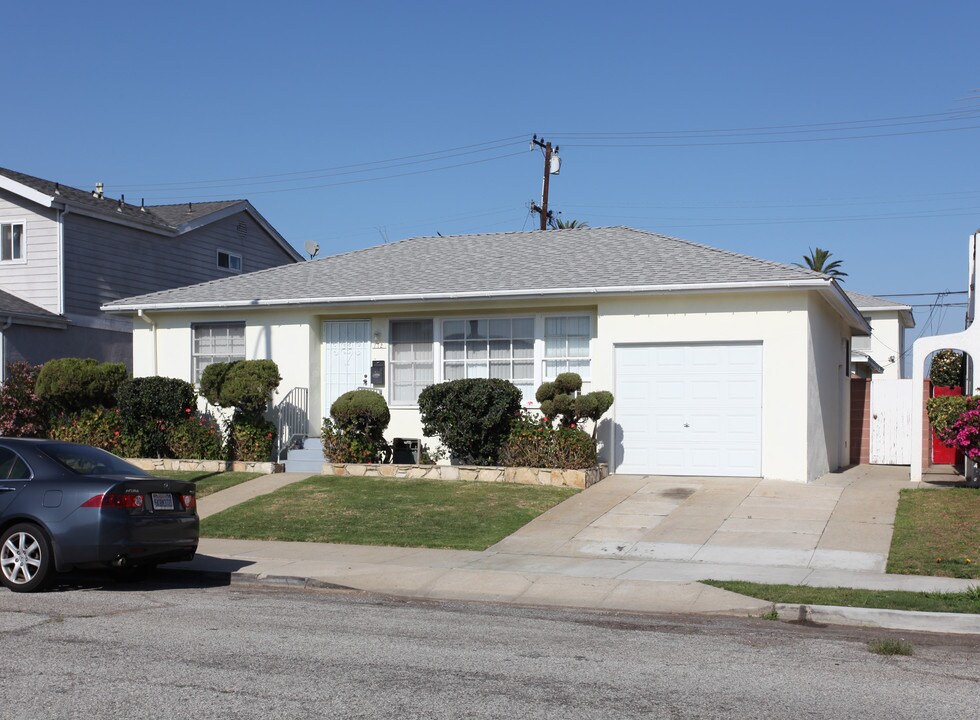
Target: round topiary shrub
471 417
73 384
361 411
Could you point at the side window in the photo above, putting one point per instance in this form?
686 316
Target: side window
12 467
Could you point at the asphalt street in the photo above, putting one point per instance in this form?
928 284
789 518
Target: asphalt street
183 647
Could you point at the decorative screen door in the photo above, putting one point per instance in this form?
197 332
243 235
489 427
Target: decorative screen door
347 358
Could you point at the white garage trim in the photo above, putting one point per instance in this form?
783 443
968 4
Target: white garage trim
688 409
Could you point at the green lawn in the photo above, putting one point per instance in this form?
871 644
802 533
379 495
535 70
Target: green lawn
208 483
382 511
937 532
964 602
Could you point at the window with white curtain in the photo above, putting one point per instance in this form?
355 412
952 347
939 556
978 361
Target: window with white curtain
411 360
566 346
11 241
490 348
216 342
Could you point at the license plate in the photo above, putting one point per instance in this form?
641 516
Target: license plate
162 501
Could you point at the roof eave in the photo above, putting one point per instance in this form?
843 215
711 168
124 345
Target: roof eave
247 207
26 192
769 285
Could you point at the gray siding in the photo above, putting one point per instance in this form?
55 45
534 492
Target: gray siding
106 262
36 280
38 345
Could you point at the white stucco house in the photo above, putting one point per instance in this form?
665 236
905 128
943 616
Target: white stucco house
881 354
721 364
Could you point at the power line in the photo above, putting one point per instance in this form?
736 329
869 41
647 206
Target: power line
353 182
939 115
774 142
185 183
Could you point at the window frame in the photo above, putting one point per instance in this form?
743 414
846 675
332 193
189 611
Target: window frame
219 252
434 365
590 353
22 258
195 376
443 361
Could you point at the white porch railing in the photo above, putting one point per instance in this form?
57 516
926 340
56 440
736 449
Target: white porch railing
292 418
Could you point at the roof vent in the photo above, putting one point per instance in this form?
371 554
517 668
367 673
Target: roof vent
57 188
142 204
190 208
122 201
97 193
242 228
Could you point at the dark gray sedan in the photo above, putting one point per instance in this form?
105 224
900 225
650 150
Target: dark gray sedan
66 506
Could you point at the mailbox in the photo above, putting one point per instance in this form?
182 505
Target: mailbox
378 372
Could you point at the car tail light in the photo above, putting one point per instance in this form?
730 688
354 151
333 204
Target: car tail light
125 501
190 502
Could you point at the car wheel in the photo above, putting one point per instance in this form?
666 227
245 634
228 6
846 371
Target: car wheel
25 558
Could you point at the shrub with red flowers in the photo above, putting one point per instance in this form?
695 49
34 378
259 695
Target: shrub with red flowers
251 439
197 436
537 442
964 434
100 427
22 413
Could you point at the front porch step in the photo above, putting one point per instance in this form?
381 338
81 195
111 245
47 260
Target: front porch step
308 458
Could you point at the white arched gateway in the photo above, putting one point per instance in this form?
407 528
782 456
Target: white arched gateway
967 341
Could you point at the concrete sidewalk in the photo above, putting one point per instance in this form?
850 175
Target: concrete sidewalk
616 545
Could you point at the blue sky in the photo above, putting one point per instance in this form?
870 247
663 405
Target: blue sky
764 128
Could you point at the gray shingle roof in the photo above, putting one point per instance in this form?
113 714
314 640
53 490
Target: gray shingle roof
13 305
164 217
555 261
871 302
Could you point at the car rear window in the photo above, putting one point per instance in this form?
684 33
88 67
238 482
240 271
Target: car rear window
86 460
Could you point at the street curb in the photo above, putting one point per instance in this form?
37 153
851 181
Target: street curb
934 622
239 578
937 622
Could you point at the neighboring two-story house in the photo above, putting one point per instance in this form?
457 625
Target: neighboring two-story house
64 252
882 354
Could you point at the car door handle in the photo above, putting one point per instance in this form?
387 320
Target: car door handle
7 489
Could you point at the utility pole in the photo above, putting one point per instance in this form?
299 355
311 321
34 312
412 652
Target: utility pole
552 165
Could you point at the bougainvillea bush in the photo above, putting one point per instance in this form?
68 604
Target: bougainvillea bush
22 413
964 434
196 436
100 427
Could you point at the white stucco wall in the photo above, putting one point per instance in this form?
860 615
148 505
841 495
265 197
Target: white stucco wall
828 390
800 354
777 319
887 343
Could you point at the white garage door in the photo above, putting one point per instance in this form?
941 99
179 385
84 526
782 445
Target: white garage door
689 409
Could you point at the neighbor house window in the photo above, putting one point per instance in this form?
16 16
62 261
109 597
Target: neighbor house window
217 342
229 261
11 241
490 348
566 346
411 360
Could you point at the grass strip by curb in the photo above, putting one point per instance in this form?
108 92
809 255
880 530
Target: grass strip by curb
961 602
937 532
387 511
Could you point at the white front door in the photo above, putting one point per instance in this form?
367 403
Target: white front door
347 358
689 409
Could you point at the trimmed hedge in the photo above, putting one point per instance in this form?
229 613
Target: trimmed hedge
471 417
74 384
356 431
150 407
246 385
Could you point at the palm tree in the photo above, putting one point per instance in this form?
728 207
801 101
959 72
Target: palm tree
559 224
817 261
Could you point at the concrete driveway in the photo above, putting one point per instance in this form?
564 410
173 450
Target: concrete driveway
842 521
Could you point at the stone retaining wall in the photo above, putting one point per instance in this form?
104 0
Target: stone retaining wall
474 473
206 465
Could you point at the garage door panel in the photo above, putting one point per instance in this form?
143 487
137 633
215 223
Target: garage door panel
689 410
